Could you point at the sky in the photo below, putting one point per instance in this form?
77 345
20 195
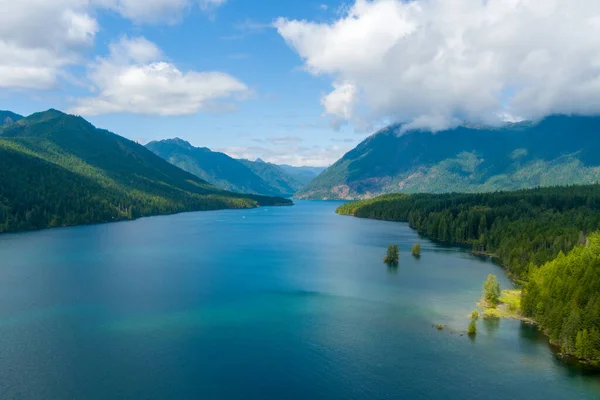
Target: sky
297 82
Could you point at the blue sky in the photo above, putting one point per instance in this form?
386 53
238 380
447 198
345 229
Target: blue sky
280 115
298 82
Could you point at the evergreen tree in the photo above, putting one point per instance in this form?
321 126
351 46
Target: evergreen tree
491 290
393 254
472 331
416 250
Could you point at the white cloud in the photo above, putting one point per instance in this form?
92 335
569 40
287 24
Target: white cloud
211 5
435 62
148 11
341 101
134 78
291 153
157 11
41 39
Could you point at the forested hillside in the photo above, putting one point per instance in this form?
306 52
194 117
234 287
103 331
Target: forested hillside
8 117
303 174
559 150
275 176
564 297
225 172
57 169
529 231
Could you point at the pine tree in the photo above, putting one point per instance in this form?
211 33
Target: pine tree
491 290
393 254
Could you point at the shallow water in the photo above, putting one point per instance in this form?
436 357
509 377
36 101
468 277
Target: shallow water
290 302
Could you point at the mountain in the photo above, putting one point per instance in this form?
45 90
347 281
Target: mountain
302 174
223 171
8 117
558 150
214 167
58 169
283 182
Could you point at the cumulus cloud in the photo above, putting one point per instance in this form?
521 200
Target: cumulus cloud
135 78
39 38
433 63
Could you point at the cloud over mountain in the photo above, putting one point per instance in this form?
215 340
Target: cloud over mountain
433 63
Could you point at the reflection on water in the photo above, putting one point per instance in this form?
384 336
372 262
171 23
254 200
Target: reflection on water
292 303
491 325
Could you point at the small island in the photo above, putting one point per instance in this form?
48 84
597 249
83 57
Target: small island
393 255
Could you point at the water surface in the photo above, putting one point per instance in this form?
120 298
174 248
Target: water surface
286 303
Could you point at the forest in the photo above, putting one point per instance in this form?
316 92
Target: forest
59 170
544 237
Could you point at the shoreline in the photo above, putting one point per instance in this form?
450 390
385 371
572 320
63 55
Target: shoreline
500 314
125 219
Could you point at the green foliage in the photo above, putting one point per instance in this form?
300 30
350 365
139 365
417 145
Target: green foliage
58 170
8 117
491 290
475 315
393 254
563 295
303 174
276 177
472 330
416 250
559 150
529 231
523 229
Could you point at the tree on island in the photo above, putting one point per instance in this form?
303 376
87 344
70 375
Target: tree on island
472 331
491 290
393 254
416 250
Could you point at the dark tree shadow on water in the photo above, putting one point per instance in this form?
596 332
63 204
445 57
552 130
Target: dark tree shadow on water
491 325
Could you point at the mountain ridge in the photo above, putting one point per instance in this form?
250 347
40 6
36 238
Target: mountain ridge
58 169
219 168
8 117
557 150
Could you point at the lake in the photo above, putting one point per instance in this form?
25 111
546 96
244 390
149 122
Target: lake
283 303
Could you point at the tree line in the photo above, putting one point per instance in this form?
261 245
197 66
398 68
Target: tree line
530 232
38 193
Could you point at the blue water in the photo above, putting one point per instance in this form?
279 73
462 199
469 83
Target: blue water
283 303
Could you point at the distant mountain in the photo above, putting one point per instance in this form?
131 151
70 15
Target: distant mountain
302 174
219 169
279 179
58 169
558 150
8 117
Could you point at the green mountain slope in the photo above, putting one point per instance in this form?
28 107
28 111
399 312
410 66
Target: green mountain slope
302 174
556 151
214 167
58 169
8 117
276 177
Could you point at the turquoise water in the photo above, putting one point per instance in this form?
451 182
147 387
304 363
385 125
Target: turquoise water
285 303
